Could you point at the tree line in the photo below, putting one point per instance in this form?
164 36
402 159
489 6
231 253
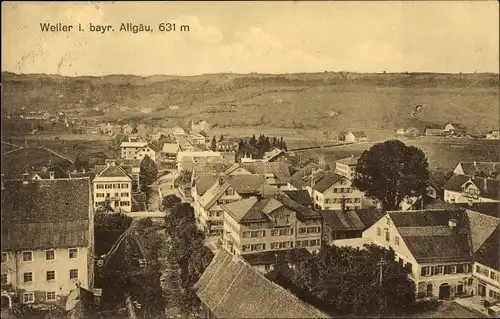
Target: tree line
261 145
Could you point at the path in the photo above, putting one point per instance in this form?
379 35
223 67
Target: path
43 148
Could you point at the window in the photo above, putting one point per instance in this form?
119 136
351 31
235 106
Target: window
27 277
230 191
440 270
495 276
267 267
73 274
379 231
388 221
125 186
99 194
51 275
246 248
302 230
387 236
494 295
73 253
124 194
124 203
51 296
453 269
5 279
396 240
27 256
5 258
108 186
426 271
409 267
313 229
28 297
50 254
100 186
287 219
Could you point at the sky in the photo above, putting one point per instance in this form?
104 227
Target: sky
245 37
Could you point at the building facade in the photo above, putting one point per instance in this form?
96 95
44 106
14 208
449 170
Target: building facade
469 189
129 149
331 191
113 184
347 166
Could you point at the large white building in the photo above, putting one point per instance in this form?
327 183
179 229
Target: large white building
129 149
112 183
47 241
470 189
347 166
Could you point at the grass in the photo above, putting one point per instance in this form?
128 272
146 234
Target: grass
324 102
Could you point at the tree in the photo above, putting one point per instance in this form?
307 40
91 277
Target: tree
221 138
391 171
213 144
170 201
80 165
116 142
183 178
149 171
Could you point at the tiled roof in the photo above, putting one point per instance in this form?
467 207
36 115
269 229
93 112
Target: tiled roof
303 212
370 216
133 144
433 249
111 170
351 160
123 161
359 134
273 154
481 227
489 188
280 170
338 220
300 196
470 168
153 147
489 252
428 218
47 213
204 182
209 168
490 209
249 209
231 288
432 203
269 257
325 182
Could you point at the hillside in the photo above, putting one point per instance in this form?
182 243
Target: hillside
321 101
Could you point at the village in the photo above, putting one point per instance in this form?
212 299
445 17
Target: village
249 209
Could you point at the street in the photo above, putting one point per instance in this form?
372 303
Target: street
166 183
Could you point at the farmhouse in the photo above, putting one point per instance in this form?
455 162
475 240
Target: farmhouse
470 189
454 129
150 150
434 132
276 174
169 152
47 242
355 137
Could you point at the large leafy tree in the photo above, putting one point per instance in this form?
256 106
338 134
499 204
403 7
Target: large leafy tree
149 171
170 201
184 177
392 171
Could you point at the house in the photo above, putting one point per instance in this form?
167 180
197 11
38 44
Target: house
197 139
256 228
437 246
481 169
300 196
227 189
226 146
129 149
150 150
434 132
47 238
470 189
454 129
493 135
276 174
185 145
112 183
301 178
275 155
231 288
400 131
486 268
330 191
347 166
132 167
169 152
200 126
205 135
355 137
52 172
187 160
178 131
202 178
348 224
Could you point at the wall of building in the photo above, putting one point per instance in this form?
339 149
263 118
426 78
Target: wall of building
489 278
15 267
458 197
117 186
331 200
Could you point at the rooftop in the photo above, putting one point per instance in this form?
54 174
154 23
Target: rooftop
269 257
489 188
231 288
300 196
326 181
170 148
351 160
133 144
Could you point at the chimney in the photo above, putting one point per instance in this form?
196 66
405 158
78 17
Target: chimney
52 174
3 186
453 224
475 164
485 184
26 180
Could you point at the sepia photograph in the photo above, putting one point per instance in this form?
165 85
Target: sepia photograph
250 159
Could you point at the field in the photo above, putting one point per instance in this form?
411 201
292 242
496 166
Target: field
300 104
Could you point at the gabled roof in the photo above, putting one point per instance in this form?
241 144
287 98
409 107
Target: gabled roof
280 170
233 168
471 168
124 161
430 239
231 288
300 196
489 188
133 144
170 148
489 252
268 156
203 133
358 133
325 182
45 214
151 146
111 170
45 174
481 227
204 182
302 212
342 221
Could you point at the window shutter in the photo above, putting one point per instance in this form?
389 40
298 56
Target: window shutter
447 269
422 272
264 234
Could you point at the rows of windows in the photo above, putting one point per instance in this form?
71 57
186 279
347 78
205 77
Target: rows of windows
214 214
487 273
309 230
254 234
282 232
50 254
281 244
308 243
102 195
29 297
120 203
111 186
495 295
343 190
444 270
50 276
254 247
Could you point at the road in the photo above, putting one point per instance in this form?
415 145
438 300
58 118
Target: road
166 183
